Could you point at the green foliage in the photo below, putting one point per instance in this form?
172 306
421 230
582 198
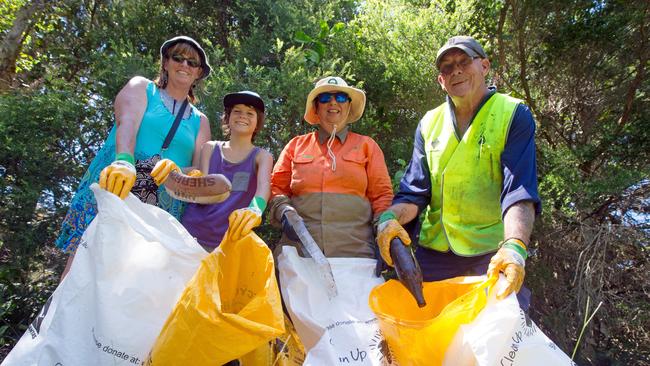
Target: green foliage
7 13
41 155
315 50
399 83
580 65
397 177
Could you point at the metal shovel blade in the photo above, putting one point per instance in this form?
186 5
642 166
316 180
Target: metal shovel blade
311 248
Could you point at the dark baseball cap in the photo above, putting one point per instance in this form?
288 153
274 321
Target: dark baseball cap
204 58
466 44
245 97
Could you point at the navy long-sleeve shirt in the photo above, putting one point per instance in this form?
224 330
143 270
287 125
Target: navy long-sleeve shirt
517 160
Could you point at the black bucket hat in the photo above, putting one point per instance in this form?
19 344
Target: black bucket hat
204 58
244 97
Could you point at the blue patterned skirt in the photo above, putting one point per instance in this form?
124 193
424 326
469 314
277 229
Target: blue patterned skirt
83 207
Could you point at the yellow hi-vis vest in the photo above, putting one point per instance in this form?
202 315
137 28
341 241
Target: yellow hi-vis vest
464 214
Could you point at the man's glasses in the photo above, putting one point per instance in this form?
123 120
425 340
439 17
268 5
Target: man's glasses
340 97
192 62
449 67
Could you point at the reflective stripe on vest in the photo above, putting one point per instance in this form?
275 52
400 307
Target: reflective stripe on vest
466 178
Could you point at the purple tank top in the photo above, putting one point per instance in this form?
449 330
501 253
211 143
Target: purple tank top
208 223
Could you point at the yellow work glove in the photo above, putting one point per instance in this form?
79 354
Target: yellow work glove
388 229
162 169
194 173
242 221
119 177
511 260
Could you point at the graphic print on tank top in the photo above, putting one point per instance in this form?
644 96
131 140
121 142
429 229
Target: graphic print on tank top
208 223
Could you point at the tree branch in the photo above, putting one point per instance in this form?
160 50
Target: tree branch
501 54
630 97
11 44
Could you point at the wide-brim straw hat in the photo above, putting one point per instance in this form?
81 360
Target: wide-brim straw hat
333 84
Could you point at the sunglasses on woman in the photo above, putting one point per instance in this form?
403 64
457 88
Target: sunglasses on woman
192 62
340 97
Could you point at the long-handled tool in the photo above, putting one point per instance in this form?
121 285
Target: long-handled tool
408 270
312 249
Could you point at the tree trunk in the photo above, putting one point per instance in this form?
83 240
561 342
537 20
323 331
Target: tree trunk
12 42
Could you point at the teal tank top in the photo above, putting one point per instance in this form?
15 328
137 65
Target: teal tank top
156 123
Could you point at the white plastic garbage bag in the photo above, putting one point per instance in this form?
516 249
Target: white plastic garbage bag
502 334
129 271
338 331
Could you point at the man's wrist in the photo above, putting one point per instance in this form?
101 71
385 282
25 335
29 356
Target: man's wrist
387 215
518 241
517 245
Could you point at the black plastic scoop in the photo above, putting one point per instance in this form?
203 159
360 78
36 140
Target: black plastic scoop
408 270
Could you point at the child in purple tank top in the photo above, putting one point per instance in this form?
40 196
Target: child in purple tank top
246 166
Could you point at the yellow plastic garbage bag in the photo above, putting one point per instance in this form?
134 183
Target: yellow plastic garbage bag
420 336
286 350
230 307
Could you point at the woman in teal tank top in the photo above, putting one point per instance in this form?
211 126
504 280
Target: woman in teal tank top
144 113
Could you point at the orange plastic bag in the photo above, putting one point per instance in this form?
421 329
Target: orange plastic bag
420 336
230 307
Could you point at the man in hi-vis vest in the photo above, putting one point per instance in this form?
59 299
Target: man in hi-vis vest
473 174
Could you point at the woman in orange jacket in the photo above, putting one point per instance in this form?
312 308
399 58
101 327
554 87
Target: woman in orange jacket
333 178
